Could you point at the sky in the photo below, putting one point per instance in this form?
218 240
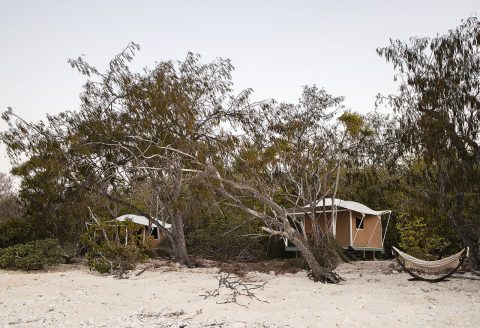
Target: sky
276 46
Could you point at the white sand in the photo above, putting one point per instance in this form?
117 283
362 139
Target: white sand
170 297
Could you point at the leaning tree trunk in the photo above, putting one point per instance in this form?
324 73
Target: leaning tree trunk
319 273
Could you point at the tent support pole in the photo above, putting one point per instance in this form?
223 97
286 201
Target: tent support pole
361 221
386 228
378 219
350 228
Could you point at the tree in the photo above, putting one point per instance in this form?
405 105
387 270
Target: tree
54 203
10 206
373 171
134 129
290 156
439 104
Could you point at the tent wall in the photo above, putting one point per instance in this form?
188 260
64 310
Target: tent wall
368 237
371 234
343 233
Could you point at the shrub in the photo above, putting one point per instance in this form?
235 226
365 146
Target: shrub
419 240
111 255
115 258
68 252
227 238
32 256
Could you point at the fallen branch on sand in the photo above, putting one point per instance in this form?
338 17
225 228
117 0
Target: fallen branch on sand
144 269
237 286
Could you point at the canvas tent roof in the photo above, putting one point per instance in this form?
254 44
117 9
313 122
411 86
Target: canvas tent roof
350 205
139 219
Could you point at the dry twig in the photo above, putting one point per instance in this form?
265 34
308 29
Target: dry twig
238 287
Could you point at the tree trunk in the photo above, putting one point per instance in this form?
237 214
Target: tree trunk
474 252
319 273
459 223
179 244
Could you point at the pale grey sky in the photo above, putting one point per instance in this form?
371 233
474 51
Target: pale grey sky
276 46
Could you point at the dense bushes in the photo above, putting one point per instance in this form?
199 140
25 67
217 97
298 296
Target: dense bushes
114 247
14 231
419 240
32 256
116 258
227 238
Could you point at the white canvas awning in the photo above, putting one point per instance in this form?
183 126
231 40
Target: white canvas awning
139 219
353 206
349 205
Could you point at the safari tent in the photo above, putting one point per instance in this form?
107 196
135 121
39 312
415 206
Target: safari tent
147 228
356 225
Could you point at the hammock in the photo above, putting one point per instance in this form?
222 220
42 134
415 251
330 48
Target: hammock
446 266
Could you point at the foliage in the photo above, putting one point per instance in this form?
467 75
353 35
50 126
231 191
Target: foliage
115 258
114 247
172 142
32 256
355 124
418 239
53 205
132 131
228 237
69 252
289 155
10 205
440 121
14 231
163 132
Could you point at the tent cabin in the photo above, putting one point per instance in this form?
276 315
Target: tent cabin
147 228
356 225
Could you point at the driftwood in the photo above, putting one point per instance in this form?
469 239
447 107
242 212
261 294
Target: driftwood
144 269
238 287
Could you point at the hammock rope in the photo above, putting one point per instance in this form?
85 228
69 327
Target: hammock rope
446 266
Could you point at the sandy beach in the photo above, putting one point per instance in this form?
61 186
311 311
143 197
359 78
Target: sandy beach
373 295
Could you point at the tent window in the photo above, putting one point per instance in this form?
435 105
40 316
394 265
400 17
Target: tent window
359 223
154 233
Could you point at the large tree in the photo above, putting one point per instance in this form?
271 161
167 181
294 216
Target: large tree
439 102
290 157
133 129
54 205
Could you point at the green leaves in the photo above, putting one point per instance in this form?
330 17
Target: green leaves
438 99
353 122
420 240
32 256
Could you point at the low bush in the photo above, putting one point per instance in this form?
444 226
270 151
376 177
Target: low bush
106 251
419 240
31 256
231 237
68 251
115 258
